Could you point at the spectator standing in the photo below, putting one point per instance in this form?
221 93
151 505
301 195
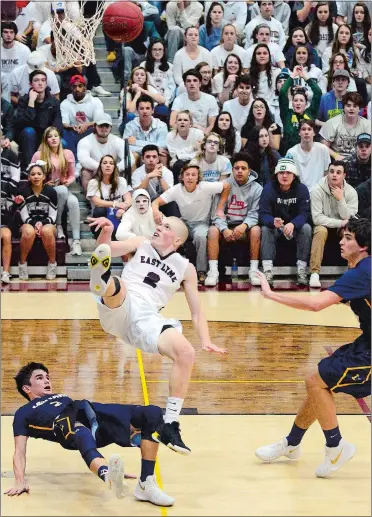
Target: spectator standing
231 140
138 220
190 55
284 212
210 33
264 157
180 16
358 163
38 213
240 106
333 202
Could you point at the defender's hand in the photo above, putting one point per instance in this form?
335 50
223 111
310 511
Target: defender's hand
101 222
210 347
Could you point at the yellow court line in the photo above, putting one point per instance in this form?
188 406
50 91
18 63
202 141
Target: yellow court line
147 402
255 381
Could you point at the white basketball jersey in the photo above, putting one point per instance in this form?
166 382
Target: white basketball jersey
154 278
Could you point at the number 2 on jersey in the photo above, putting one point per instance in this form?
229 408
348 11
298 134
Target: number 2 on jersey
151 279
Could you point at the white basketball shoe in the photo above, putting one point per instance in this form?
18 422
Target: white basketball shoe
149 491
335 458
115 476
269 453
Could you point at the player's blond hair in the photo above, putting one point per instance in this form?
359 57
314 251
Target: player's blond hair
179 227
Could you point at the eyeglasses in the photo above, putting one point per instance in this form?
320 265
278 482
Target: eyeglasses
212 142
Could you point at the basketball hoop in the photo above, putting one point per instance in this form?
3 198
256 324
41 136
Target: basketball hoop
73 37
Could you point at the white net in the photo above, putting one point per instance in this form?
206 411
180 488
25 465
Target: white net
73 34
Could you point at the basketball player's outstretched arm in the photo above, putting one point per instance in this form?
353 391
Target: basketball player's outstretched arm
117 248
190 285
305 302
19 467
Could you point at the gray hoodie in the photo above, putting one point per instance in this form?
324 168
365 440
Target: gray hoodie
242 204
326 210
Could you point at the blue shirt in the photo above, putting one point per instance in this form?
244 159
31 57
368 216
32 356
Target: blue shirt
211 41
354 286
329 106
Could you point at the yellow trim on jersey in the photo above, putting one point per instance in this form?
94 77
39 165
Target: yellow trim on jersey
367 302
40 428
339 385
70 431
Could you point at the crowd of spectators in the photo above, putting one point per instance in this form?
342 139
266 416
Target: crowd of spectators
250 120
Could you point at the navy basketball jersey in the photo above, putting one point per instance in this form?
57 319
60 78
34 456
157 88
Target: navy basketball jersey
36 418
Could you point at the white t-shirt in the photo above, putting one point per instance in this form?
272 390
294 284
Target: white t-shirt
154 188
219 55
19 81
49 58
275 52
182 62
25 17
238 112
342 139
312 166
13 57
44 33
104 194
194 206
264 90
323 38
202 109
213 171
183 149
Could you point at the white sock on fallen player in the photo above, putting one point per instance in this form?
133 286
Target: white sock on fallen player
173 409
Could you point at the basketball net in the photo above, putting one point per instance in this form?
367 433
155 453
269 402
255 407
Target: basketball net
73 35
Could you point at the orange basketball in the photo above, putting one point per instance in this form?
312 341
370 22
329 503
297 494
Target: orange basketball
122 21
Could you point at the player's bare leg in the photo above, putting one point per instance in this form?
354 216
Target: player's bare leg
174 345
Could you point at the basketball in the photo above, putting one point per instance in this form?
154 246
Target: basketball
122 21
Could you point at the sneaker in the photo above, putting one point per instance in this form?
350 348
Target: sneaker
212 278
314 280
99 264
111 56
60 232
269 453
269 277
151 492
5 277
302 277
22 271
170 435
76 248
115 476
254 278
51 271
335 458
201 277
98 91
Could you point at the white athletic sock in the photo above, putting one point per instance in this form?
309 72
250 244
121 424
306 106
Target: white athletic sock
173 409
267 265
254 265
213 265
301 264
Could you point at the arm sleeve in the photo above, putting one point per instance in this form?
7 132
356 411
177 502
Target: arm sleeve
65 112
352 285
304 208
57 119
19 424
124 230
52 213
321 113
283 99
92 189
251 219
23 210
8 123
71 166
177 68
161 139
317 95
170 194
348 206
265 209
317 212
84 157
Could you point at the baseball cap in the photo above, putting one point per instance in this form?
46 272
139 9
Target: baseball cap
103 118
286 164
36 61
77 79
58 6
341 73
363 137
284 74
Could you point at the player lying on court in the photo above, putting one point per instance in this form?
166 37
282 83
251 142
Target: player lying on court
85 426
129 307
348 369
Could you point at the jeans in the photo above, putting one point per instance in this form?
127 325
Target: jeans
72 139
302 237
29 141
175 38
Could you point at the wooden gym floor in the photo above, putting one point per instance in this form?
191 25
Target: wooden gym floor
235 403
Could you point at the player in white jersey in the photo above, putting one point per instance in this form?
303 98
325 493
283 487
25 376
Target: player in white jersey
129 307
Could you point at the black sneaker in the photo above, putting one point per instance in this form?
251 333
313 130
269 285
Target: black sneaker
170 435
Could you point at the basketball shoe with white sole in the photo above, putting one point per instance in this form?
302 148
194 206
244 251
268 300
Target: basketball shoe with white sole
149 491
269 453
99 265
115 476
335 458
170 435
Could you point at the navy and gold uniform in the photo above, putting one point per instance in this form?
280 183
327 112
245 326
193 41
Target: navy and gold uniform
348 369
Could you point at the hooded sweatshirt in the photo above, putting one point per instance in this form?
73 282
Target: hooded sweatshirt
80 112
326 210
242 204
292 206
134 224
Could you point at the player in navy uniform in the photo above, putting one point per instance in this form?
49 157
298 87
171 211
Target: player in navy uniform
85 426
348 369
129 307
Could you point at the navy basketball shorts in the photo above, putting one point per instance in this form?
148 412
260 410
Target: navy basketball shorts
348 369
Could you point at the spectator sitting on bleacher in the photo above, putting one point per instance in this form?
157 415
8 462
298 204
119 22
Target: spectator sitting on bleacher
9 190
235 13
266 8
210 32
358 164
145 129
264 157
60 174
38 213
261 34
331 102
333 202
7 125
138 220
223 83
13 53
79 111
35 112
260 115
281 12
202 106
228 46
340 133
285 211
213 165
311 158
194 198
180 16
190 55
109 193
137 86
240 106
231 140
241 221
10 165
91 148
364 199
